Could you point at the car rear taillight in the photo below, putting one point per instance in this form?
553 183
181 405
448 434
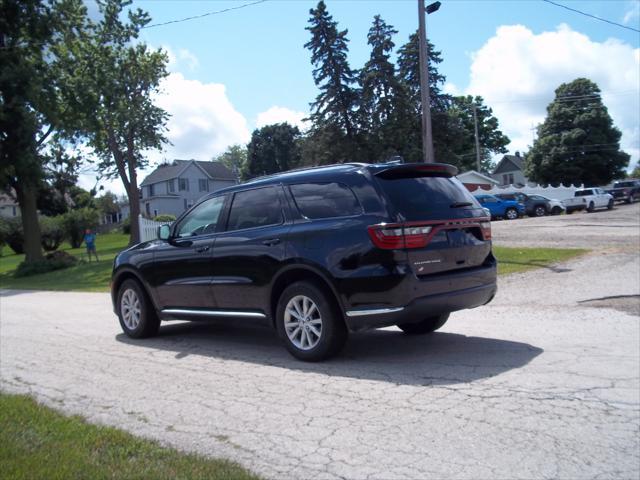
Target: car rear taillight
486 230
399 236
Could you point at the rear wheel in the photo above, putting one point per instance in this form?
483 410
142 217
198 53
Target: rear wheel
137 317
427 325
511 214
540 211
309 322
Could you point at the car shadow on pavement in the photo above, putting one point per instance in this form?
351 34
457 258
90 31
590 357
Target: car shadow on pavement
539 264
381 355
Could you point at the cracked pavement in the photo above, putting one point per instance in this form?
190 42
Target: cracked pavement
541 383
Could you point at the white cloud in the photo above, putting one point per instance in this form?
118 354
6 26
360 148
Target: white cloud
181 58
451 89
277 114
517 71
633 13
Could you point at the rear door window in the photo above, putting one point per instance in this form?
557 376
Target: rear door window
415 197
325 200
255 208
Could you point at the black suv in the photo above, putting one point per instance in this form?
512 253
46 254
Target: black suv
316 253
534 205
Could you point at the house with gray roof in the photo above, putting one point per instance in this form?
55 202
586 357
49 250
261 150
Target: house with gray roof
510 171
174 187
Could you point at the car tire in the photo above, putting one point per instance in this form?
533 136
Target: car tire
137 316
309 322
539 211
610 205
556 211
511 214
428 325
591 207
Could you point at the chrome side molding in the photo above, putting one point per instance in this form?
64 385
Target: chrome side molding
373 311
212 313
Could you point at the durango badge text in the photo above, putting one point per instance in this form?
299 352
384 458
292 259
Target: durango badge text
316 253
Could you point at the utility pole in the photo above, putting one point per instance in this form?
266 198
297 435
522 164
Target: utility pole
475 125
425 95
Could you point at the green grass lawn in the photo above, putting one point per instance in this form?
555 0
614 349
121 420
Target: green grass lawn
38 442
94 277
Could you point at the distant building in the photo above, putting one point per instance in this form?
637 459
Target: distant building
8 206
474 180
510 171
174 187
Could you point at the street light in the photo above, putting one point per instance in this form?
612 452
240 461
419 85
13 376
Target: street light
427 137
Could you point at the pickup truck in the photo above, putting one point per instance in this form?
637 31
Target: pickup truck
588 199
625 191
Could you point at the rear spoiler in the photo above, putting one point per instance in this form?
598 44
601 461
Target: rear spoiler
408 170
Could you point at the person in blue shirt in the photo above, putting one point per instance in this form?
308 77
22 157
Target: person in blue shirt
90 242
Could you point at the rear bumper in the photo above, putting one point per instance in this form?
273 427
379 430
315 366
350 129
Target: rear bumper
364 318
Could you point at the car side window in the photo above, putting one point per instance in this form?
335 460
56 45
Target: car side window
255 208
325 200
203 219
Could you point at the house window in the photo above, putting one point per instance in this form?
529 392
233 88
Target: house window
511 178
183 184
171 186
185 203
148 209
203 185
151 190
155 213
14 211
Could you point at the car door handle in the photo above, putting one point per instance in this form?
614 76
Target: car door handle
271 242
202 249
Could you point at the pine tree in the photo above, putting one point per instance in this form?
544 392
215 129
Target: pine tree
380 93
333 113
577 143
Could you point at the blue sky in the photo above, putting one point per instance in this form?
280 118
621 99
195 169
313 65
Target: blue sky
244 68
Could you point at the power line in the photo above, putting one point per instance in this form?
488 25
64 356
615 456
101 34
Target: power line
217 12
592 16
568 98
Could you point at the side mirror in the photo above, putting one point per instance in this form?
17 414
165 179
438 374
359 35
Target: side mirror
164 232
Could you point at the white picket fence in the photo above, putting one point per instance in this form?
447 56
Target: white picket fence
148 228
557 193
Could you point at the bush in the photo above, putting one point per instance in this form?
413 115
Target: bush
52 230
52 261
15 235
126 226
4 233
165 218
75 222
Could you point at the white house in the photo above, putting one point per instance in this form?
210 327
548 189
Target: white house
8 206
174 187
510 170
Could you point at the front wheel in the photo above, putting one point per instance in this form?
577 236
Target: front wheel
135 312
427 325
309 322
591 207
511 214
610 205
556 210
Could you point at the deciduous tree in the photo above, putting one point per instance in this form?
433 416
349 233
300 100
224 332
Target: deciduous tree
272 149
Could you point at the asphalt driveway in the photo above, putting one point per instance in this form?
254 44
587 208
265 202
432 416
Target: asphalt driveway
543 382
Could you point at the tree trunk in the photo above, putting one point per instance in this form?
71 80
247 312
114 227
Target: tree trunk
134 207
26 195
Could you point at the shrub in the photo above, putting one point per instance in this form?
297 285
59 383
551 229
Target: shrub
52 232
52 261
126 226
4 233
75 222
15 235
165 218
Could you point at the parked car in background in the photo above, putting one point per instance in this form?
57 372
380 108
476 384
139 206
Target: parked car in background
499 208
534 205
588 199
625 191
316 253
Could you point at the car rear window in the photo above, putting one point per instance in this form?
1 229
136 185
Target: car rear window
624 184
413 198
325 200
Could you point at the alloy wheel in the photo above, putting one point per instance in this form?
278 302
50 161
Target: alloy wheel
302 322
130 309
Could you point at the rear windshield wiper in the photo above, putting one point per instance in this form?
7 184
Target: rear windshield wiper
461 204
